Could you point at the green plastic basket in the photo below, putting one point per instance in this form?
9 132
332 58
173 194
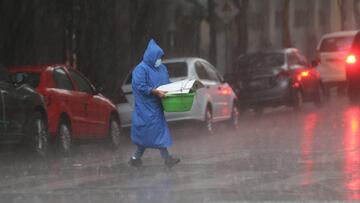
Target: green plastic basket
178 102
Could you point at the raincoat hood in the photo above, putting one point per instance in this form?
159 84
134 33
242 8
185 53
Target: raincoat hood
152 53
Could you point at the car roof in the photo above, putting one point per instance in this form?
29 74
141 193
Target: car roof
340 34
280 51
182 59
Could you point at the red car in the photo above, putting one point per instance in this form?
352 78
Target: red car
76 110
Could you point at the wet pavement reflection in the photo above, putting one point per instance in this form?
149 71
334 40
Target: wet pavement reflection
352 154
281 156
310 123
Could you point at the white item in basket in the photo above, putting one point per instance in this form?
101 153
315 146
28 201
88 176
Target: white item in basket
181 87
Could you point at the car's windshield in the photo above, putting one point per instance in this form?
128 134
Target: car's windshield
335 44
260 61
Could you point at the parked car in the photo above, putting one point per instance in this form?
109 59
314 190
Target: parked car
76 110
353 69
332 51
23 115
214 103
274 78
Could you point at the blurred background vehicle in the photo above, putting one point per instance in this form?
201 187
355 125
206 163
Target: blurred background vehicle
273 78
353 69
214 103
332 51
76 110
23 116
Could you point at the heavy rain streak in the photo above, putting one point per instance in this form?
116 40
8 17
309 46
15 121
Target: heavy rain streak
162 101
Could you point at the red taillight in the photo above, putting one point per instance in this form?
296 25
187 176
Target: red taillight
351 59
296 84
226 91
304 74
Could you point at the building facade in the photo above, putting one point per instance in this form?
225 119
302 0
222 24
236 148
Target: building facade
307 21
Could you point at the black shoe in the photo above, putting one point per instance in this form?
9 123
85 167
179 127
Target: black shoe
170 162
135 162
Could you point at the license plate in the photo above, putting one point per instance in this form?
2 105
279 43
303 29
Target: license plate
259 83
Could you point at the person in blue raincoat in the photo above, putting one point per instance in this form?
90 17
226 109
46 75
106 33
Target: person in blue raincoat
149 128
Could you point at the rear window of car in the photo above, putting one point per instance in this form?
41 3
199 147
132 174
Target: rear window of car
335 44
176 70
32 79
261 60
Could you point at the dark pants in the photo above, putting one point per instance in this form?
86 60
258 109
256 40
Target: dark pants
140 151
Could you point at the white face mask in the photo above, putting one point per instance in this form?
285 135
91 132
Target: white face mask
158 63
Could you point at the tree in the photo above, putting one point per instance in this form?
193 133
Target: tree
357 12
212 21
286 31
241 21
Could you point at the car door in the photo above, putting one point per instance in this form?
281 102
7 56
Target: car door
95 114
12 112
72 102
211 88
221 91
332 52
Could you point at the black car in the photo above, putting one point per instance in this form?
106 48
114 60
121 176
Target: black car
23 115
273 78
353 70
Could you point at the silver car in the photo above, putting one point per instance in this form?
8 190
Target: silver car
214 103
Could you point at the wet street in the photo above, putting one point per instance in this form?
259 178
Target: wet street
281 156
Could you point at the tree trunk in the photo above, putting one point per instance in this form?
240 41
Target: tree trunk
241 21
286 30
212 22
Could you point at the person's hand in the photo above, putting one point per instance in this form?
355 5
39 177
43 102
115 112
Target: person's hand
158 93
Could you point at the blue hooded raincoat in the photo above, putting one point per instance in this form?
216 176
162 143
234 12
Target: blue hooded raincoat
149 128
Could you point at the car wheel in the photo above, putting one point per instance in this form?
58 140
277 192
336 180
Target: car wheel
297 100
234 120
114 137
209 124
40 135
320 98
65 138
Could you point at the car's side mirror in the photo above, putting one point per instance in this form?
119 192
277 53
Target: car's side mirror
314 63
